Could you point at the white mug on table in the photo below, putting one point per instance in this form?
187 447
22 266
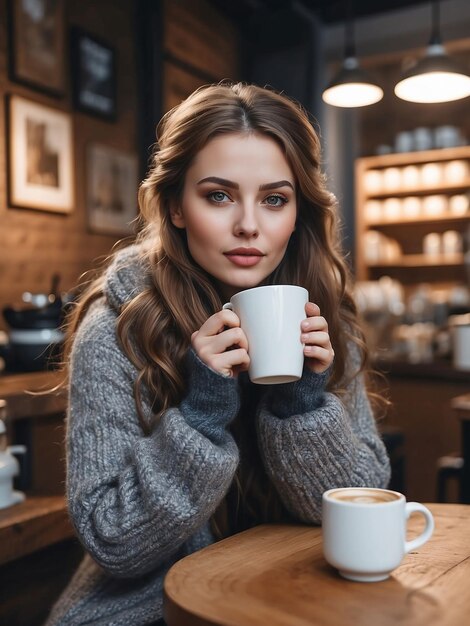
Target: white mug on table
364 531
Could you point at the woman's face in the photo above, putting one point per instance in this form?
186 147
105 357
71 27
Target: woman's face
238 209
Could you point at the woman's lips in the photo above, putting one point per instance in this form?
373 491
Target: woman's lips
244 257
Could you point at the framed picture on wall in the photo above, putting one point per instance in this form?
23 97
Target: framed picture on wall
40 160
94 75
37 44
111 190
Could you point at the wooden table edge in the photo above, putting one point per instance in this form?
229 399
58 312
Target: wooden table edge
174 613
36 523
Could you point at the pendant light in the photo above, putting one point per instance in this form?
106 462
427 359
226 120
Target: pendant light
352 86
436 77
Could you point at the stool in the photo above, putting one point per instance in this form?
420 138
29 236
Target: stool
394 441
449 467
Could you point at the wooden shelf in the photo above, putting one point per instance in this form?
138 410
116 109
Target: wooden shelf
429 190
421 260
448 219
409 232
415 158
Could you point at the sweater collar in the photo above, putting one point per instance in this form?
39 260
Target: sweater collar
126 276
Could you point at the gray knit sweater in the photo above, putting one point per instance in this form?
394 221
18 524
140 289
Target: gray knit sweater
139 503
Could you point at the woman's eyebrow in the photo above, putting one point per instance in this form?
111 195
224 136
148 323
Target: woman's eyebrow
230 183
279 183
219 181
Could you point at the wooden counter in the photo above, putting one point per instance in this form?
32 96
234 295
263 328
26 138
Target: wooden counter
38 554
421 409
461 404
36 523
29 381
18 390
38 548
439 369
37 422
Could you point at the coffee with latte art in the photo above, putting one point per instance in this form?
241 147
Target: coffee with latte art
364 496
364 531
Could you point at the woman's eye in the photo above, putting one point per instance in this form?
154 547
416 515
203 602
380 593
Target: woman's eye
218 196
276 201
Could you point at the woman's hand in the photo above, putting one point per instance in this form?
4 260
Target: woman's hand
221 344
317 350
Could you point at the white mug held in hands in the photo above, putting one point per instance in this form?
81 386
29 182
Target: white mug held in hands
364 531
271 317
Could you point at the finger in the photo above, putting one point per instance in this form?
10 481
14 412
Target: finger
312 309
226 339
316 338
229 362
317 323
323 355
217 322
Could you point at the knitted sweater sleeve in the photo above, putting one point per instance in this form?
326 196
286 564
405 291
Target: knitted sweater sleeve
135 499
311 441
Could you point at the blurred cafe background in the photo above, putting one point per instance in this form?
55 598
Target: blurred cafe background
83 83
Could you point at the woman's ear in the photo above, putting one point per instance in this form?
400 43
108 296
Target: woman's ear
176 216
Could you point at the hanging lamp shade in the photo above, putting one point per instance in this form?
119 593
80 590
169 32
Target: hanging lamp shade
352 86
436 77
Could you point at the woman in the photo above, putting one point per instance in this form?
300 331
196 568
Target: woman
169 445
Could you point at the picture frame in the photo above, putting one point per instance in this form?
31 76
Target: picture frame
40 156
94 75
37 44
111 194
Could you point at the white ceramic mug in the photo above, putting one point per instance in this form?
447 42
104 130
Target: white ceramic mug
271 317
364 531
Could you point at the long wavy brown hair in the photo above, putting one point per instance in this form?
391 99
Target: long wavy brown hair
155 327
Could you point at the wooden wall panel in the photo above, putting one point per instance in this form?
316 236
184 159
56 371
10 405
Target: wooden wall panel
179 84
35 244
197 34
199 45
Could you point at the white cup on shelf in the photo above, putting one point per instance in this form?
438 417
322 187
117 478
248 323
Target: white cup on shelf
373 211
383 148
392 209
435 205
404 141
372 246
373 181
411 207
460 334
431 174
423 138
392 250
452 243
432 245
447 136
456 172
459 204
410 177
392 178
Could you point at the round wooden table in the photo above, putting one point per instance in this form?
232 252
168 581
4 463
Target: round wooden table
461 407
275 575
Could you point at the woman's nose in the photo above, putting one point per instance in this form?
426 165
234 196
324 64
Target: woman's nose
246 223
